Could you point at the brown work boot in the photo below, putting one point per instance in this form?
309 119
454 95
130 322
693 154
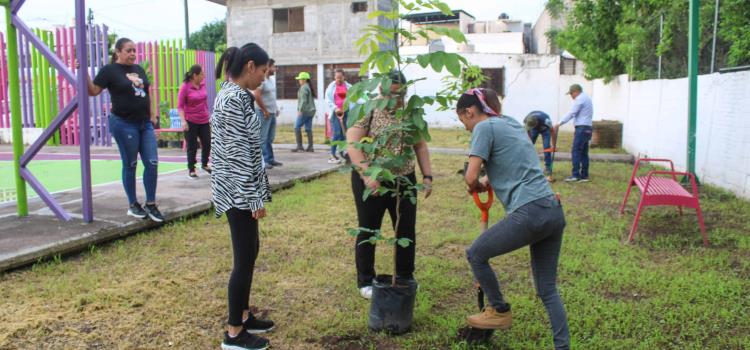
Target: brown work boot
491 319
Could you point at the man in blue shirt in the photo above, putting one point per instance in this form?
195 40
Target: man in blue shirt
539 123
582 112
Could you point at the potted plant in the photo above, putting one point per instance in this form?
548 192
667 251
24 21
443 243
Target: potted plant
393 300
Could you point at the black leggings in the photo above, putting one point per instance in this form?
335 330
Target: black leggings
195 131
370 215
245 246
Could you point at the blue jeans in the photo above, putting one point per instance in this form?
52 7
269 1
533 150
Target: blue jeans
133 138
267 135
546 143
580 152
304 120
339 133
539 225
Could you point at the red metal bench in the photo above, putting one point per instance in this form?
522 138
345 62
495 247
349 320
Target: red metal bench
657 189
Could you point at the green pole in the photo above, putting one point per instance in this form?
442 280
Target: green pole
187 26
692 84
14 89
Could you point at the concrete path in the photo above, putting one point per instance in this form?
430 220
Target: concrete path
559 156
41 235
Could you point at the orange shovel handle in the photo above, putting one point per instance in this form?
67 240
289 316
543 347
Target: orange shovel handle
484 206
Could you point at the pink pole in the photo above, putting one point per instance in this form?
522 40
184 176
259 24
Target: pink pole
76 119
4 109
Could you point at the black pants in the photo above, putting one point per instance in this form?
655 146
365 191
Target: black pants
195 131
370 215
245 246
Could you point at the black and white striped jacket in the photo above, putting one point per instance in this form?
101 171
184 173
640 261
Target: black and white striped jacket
239 179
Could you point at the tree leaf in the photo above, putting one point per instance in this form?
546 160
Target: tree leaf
444 8
404 242
366 193
436 61
452 64
424 60
353 231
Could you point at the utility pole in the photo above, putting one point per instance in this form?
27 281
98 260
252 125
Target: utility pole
692 84
187 26
713 45
661 29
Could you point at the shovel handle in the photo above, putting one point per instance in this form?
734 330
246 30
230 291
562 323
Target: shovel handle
484 206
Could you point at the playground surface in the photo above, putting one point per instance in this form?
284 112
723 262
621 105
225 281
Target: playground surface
166 288
41 234
63 172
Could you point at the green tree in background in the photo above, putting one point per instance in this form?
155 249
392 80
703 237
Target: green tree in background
622 36
210 36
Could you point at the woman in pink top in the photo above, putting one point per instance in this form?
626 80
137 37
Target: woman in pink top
193 109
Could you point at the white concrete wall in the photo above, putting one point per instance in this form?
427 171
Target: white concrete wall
497 42
532 82
655 124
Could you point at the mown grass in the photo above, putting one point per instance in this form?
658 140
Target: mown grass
441 138
167 287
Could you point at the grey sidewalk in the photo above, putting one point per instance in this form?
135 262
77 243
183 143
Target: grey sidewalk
26 240
559 156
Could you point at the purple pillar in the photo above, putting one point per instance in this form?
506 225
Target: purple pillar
81 101
84 127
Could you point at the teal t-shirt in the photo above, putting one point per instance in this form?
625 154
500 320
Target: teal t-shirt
511 162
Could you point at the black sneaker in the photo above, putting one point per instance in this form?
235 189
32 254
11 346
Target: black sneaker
256 326
275 163
154 213
136 211
207 169
244 341
193 175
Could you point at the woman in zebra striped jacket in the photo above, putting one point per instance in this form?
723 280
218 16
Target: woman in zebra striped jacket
240 185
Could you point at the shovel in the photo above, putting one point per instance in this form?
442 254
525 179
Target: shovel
470 334
552 150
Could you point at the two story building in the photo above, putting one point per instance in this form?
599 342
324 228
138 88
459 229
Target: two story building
315 36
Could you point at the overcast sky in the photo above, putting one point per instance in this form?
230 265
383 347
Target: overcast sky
164 19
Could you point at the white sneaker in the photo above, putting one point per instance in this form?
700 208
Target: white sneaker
334 161
366 292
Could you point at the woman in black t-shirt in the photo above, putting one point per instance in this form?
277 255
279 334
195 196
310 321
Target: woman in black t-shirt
131 123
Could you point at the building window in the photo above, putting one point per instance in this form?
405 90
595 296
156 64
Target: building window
289 20
351 72
494 78
567 66
286 86
359 6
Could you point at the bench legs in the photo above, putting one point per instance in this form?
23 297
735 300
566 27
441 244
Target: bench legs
698 213
635 221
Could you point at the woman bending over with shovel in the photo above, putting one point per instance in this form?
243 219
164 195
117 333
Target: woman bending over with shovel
534 215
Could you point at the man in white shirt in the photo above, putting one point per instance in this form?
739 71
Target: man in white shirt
582 111
267 110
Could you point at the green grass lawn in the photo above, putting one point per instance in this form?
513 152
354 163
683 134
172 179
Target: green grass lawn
441 137
167 288
58 175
